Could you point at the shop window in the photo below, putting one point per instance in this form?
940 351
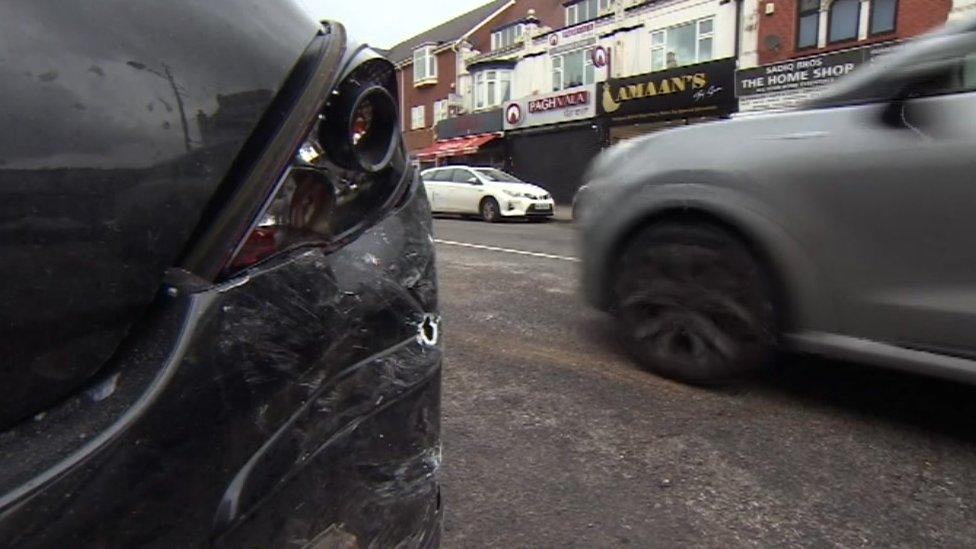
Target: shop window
424 65
843 20
808 25
492 88
587 9
506 37
417 117
883 16
572 69
684 44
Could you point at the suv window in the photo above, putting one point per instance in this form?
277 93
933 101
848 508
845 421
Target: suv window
960 77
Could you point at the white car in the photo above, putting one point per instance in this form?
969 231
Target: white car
490 193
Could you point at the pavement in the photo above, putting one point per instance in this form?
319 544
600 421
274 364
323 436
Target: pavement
553 438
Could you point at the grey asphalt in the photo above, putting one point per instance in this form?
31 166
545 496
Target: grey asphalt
553 438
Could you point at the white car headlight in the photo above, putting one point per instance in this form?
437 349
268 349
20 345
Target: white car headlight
515 194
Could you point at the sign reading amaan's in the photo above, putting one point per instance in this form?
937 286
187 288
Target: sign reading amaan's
705 89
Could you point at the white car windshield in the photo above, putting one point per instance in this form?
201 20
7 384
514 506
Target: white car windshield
491 174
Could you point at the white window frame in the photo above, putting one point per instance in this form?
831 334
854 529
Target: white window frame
418 117
424 58
482 79
507 36
575 15
659 42
559 65
440 111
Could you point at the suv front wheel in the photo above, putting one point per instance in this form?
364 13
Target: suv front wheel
696 304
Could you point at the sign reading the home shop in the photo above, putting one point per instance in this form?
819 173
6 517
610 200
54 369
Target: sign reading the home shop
809 72
553 108
704 89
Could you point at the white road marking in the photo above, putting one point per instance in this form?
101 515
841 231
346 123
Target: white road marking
506 250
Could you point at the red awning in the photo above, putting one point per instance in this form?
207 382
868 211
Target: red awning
455 147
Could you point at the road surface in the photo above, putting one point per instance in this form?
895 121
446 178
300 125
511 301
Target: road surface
553 438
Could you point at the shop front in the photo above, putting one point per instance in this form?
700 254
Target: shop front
551 138
473 139
789 83
654 101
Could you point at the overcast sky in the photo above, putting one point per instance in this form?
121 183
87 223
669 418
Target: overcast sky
383 23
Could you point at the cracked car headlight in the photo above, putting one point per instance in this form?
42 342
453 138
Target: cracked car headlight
346 175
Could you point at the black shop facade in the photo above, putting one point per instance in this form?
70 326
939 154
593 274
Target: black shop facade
650 102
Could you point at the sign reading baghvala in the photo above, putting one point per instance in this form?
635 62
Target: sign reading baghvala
563 106
705 89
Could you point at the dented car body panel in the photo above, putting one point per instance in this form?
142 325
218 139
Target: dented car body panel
292 401
284 410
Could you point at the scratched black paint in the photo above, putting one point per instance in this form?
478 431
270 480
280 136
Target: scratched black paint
294 404
298 402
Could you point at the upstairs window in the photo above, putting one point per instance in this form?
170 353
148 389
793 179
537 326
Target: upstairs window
586 10
844 20
417 118
682 45
572 69
883 16
808 25
492 88
424 64
506 37
440 110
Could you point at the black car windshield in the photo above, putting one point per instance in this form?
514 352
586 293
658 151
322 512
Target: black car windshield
491 174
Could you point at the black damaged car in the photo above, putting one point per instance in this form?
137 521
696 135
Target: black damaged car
218 306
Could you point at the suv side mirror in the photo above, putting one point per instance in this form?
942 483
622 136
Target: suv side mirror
919 80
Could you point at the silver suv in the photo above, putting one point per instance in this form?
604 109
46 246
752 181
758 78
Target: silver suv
845 228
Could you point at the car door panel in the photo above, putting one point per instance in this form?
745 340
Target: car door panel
897 205
435 190
430 187
467 191
447 191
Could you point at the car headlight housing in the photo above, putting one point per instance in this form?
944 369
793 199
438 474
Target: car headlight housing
348 172
516 194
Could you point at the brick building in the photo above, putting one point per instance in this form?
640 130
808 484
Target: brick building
433 82
792 48
427 68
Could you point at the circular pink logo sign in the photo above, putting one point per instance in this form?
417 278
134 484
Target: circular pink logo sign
513 114
600 57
